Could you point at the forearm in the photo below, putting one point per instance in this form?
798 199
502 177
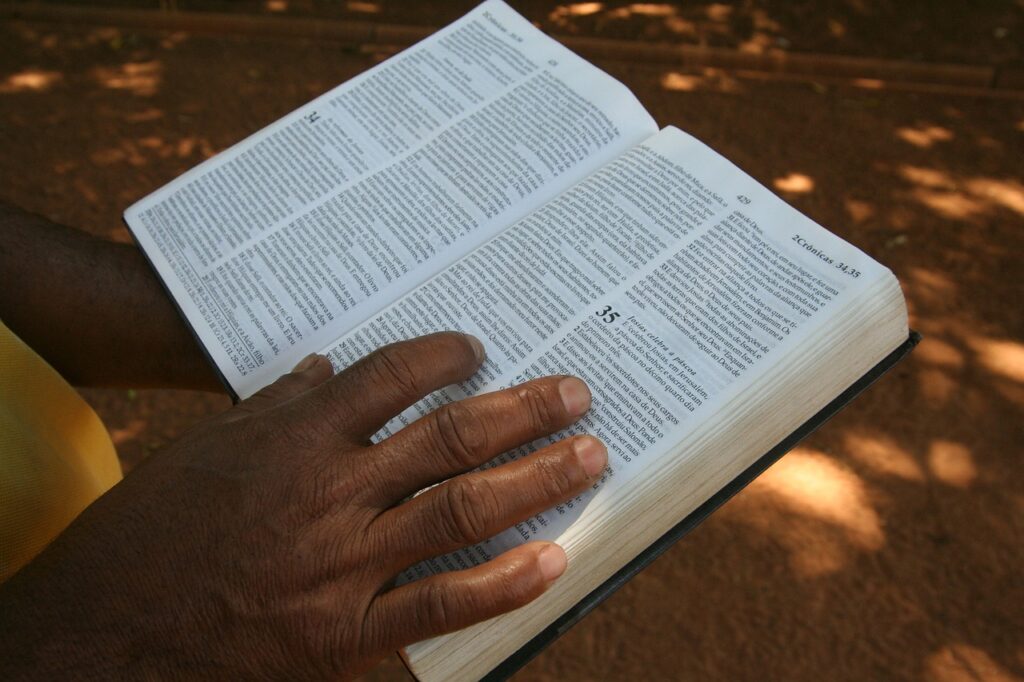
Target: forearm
93 308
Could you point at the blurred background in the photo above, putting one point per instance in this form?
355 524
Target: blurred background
888 546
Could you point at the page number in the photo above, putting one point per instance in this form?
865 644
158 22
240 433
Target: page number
743 198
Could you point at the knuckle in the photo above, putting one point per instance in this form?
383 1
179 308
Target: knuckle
372 473
376 633
460 434
440 608
556 479
536 405
467 507
511 589
289 385
394 368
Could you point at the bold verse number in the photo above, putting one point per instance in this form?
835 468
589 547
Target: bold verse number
607 315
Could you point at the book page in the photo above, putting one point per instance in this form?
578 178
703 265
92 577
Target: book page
291 237
666 280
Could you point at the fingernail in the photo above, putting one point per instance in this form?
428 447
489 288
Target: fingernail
307 362
478 348
575 395
552 562
592 454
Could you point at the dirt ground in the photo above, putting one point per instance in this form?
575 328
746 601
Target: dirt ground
890 545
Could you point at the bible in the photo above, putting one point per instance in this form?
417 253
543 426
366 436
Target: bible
488 180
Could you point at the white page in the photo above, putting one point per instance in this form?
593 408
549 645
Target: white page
290 238
666 280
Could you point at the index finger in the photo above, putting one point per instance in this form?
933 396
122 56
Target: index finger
363 397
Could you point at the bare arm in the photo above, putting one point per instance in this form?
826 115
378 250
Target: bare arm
93 308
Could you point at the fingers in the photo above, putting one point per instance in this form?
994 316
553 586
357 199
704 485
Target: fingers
366 395
463 435
473 507
311 371
451 601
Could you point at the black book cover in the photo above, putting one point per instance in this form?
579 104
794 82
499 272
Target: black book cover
559 627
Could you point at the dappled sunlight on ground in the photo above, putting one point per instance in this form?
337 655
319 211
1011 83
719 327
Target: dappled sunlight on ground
709 79
29 80
1008 193
868 28
145 150
927 177
963 197
815 507
924 136
142 79
794 183
683 82
753 30
145 115
883 455
938 352
948 204
1000 356
667 20
966 663
859 210
363 7
562 13
952 463
934 287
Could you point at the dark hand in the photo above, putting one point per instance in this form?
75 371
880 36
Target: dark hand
263 543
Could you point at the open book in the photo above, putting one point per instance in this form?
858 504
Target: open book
489 180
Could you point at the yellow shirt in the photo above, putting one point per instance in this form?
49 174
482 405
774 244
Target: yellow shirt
55 455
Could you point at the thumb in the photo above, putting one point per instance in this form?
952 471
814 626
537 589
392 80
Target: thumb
311 371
